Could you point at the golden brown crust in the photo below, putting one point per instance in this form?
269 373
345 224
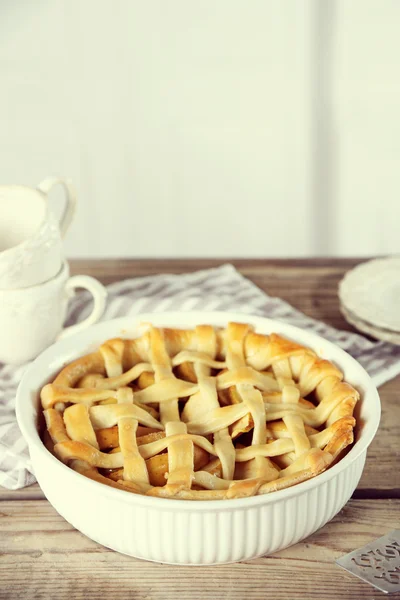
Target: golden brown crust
200 414
72 373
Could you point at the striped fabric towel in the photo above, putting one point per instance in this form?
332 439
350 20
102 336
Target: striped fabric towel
222 288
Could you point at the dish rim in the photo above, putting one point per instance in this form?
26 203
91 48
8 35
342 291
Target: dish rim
54 358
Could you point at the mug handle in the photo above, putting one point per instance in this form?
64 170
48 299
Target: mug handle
99 294
70 199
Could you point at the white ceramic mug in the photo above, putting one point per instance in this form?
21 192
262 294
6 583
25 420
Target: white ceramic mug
31 319
30 236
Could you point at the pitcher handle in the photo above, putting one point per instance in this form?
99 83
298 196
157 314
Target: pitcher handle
70 199
99 295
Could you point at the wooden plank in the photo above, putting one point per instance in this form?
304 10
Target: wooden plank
43 557
381 476
309 284
32 492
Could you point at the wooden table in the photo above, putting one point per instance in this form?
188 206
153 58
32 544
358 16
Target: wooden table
42 556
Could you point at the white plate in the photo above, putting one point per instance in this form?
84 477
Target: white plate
371 291
376 332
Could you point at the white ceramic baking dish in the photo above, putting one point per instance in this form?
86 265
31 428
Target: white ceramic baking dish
193 532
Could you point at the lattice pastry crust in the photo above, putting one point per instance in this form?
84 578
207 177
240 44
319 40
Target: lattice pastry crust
200 414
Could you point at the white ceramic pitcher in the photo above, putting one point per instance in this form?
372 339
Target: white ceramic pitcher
30 236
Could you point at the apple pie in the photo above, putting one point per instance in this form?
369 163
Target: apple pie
201 414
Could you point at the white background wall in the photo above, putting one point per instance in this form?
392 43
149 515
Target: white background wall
209 127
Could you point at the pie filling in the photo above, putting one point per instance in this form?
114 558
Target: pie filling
201 414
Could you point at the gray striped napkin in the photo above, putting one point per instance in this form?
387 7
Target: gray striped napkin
222 288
